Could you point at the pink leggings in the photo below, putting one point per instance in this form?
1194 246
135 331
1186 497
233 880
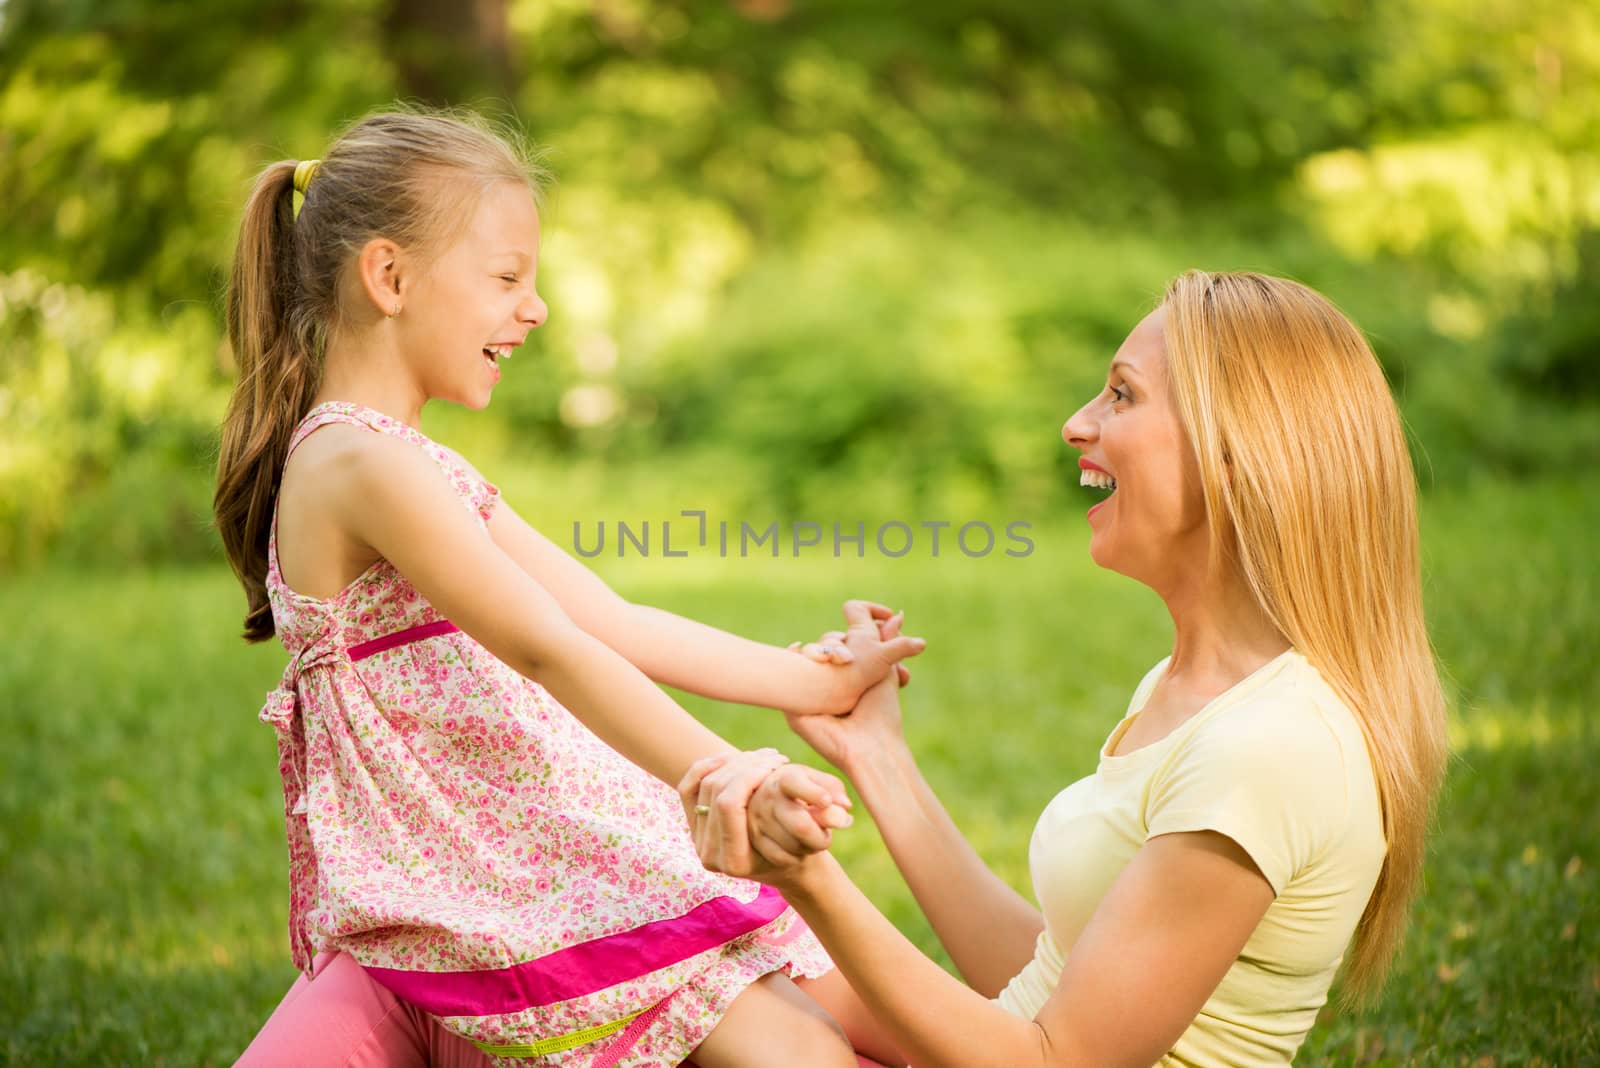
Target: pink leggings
345 1019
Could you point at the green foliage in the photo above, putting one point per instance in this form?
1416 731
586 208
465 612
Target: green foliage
107 453
824 249
1553 349
126 145
894 354
141 836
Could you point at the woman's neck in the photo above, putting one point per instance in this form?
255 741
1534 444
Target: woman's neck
1220 633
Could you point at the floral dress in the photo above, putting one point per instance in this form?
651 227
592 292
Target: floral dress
477 849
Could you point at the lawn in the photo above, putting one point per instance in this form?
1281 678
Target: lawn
141 848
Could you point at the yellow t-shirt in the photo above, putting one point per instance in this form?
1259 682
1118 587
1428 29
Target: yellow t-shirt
1278 764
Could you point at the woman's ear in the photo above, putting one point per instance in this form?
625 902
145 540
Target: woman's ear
378 267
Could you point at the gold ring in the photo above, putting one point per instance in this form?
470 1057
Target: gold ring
702 810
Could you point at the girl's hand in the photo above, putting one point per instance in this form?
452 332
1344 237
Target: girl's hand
869 649
755 816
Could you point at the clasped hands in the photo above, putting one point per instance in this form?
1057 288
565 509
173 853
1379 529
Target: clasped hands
754 814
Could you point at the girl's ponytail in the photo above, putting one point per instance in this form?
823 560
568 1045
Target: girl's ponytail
278 377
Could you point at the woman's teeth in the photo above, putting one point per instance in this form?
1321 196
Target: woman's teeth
1097 479
494 352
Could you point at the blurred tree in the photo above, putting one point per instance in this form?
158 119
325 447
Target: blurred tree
1553 348
784 109
782 226
450 54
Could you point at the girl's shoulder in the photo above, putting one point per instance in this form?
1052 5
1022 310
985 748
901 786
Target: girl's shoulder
324 450
346 436
461 462
353 449
349 459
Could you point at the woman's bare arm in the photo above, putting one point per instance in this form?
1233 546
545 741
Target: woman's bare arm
988 929
1155 949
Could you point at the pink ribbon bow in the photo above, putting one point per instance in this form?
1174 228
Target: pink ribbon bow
282 712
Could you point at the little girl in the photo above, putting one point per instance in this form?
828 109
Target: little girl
506 866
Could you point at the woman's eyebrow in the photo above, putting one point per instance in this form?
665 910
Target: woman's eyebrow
1123 367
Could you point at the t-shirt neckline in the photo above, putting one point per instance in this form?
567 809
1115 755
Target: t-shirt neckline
1226 697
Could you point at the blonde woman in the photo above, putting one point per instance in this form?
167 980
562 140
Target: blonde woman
1258 815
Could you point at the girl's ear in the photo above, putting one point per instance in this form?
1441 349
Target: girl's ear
378 266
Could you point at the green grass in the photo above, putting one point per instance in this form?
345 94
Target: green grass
141 848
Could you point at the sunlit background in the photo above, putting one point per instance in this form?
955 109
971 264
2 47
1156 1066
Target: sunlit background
829 260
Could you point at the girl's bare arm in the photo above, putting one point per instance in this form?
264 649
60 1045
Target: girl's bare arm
394 499
688 655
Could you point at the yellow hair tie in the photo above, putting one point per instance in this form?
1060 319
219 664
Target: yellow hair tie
304 171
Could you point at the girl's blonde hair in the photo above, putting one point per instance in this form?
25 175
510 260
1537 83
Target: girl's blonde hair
413 176
1310 493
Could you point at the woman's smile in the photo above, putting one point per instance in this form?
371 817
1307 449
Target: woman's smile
1092 474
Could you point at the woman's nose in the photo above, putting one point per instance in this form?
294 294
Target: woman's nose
1080 429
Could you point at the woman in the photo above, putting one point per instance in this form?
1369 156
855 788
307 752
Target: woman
1266 797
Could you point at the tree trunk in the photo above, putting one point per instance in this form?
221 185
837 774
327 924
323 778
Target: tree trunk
450 52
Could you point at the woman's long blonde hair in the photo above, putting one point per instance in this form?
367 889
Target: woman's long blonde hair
1310 493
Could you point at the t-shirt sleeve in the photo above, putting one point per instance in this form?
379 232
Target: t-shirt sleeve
1273 781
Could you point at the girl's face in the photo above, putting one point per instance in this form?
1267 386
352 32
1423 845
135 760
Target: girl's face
1152 526
472 305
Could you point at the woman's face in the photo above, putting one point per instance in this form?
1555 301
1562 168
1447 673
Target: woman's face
1152 525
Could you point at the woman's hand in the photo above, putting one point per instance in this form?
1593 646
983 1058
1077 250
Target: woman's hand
756 816
869 649
871 729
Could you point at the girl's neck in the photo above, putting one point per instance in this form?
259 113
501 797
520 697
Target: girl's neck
372 376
